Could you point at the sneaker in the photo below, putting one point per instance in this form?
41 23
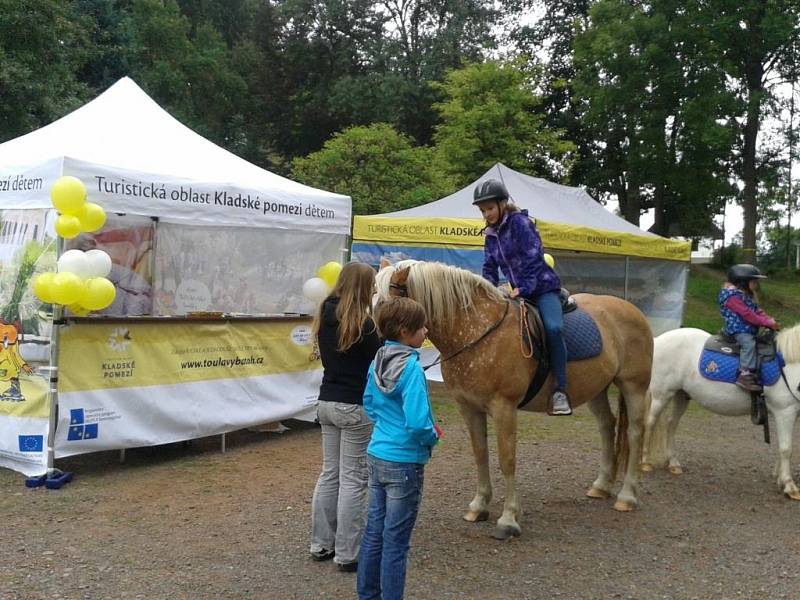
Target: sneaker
322 555
350 567
747 381
560 404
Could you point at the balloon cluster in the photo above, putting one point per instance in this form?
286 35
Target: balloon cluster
80 283
76 215
317 288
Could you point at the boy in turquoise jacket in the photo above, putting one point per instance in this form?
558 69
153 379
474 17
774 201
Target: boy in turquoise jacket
403 436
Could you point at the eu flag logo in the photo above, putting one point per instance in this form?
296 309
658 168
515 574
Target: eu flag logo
78 428
31 443
76 416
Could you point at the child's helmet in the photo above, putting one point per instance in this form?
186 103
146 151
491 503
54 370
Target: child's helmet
491 189
739 275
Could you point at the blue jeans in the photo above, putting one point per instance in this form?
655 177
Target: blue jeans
553 319
747 351
395 490
338 507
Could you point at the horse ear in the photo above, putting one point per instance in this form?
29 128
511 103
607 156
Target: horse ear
401 276
385 263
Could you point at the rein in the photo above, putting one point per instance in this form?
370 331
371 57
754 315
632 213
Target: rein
472 343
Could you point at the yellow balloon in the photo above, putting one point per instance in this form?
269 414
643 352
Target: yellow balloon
98 294
68 195
92 217
67 288
78 310
551 262
43 287
68 226
329 272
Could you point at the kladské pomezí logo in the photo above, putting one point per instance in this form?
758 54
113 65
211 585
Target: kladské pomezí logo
120 339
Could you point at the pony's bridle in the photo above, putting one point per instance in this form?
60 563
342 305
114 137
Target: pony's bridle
402 290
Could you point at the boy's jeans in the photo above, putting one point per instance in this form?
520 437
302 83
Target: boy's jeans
395 490
747 351
338 508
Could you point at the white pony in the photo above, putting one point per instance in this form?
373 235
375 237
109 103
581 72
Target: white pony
676 378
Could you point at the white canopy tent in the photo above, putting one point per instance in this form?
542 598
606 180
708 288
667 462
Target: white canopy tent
596 251
212 234
127 149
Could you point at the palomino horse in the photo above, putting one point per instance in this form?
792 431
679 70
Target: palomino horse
486 372
676 378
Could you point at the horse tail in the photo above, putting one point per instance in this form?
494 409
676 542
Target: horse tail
622 449
655 437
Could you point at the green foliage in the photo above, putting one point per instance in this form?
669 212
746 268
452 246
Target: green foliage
656 105
43 46
377 166
488 115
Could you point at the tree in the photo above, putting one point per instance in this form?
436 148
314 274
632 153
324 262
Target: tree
43 45
488 115
656 106
377 167
757 40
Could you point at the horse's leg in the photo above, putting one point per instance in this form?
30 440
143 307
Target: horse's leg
784 423
476 425
601 488
634 394
679 407
504 414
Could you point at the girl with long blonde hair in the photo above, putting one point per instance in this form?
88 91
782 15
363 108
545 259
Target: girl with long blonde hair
347 340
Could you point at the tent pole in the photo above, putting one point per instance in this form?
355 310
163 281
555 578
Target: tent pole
627 264
58 316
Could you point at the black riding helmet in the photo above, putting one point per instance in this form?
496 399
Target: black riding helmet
491 189
739 275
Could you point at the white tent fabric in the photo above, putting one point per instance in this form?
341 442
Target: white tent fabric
135 158
545 200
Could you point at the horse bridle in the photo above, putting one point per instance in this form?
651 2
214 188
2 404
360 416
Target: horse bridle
403 291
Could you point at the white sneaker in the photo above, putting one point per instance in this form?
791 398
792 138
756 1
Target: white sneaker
560 404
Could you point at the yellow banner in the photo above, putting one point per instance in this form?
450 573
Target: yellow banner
136 354
467 232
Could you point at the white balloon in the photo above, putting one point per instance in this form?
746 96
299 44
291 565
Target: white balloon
315 289
74 261
99 263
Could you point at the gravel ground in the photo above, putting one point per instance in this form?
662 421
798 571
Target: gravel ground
185 521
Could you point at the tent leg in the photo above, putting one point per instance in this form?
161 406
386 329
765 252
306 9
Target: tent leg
122 455
222 443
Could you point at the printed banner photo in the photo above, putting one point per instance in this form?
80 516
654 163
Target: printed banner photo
138 384
27 247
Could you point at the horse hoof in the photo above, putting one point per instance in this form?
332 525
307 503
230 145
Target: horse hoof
646 467
597 493
623 506
474 517
504 532
675 469
793 495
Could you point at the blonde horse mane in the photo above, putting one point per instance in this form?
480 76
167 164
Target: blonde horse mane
789 343
444 290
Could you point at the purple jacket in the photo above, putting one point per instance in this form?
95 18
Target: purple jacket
516 248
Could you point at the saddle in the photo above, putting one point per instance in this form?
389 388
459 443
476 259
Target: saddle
726 344
719 360
581 337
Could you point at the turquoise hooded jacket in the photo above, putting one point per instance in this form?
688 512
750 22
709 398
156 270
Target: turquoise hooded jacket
396 400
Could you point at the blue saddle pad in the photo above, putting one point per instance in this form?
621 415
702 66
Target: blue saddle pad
581 335
725 367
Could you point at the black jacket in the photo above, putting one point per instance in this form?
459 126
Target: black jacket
344 373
